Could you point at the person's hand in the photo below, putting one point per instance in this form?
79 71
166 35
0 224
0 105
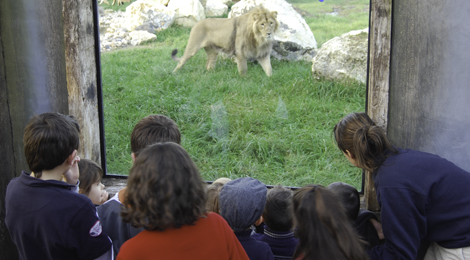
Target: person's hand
378 228
71 176
104 195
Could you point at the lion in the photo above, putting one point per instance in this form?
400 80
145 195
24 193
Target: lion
247 37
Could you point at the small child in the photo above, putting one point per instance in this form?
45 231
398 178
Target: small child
365 222
241 203
166 196
213 191
279 222
323 229
46 218
90 181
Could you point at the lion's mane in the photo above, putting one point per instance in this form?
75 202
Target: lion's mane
247 37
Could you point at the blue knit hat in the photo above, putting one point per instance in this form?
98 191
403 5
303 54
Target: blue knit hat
241 202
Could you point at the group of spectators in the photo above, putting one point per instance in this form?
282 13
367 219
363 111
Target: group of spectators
60 209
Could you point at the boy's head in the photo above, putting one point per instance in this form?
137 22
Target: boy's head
213 191
348 196
278 212
153 129
242 202
49 139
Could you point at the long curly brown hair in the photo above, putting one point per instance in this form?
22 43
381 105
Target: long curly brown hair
164 189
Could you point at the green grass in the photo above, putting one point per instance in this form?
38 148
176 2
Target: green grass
352 15
277 129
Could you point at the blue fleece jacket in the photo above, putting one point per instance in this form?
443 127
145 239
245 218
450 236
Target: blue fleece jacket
48 220
281 243
256 250
422 197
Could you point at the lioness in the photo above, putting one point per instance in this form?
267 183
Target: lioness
247 37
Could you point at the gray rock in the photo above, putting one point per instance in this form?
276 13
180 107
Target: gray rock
343 57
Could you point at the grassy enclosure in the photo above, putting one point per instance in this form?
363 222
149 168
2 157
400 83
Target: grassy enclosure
278 129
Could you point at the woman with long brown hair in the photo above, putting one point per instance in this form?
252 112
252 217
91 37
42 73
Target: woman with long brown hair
423 197
323 228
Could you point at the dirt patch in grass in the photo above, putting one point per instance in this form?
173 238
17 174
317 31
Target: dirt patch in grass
303 13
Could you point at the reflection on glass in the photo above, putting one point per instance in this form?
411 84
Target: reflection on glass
277 129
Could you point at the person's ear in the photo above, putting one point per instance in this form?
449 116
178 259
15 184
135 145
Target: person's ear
259 221
71 158
350 154
133 157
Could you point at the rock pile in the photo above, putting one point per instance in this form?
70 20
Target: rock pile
114 35
136 26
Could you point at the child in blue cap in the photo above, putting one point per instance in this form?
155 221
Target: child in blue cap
241 203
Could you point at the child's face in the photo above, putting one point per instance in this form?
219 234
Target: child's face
97 193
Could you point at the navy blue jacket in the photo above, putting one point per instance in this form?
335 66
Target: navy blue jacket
366 230
47 220
256 250
281 243
422 197
118 230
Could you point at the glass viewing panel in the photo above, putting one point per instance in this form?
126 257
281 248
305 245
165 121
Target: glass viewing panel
276 129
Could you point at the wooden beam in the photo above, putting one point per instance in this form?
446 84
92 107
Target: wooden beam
380 31
81 74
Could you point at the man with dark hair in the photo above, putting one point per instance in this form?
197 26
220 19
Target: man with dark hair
149 130
279 223
46 218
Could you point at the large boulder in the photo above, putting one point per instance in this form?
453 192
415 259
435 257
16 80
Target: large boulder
149 16
162 2
294 40
343 57
188 12
215 8
141 37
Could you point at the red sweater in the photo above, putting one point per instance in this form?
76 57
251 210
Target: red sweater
209 238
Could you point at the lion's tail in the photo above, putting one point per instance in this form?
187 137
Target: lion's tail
173 55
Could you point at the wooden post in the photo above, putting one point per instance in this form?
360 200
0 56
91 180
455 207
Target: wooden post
81 74
379 79
7 161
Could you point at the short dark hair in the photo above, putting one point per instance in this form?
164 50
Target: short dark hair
49 138
349 198
278 212
164 190
154 129
90 173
